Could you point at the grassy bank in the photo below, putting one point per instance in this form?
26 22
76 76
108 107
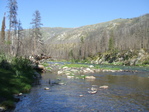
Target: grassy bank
93 67
16 76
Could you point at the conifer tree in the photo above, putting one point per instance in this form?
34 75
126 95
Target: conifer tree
19 39
3 30
12 15
36 33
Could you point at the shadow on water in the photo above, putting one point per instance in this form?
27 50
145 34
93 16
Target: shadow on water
127 92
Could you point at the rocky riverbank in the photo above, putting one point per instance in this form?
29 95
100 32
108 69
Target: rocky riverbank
70 71
81 71
129 58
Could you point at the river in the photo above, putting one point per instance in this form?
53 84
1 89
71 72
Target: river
126 92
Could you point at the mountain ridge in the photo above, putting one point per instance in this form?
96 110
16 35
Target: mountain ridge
84 41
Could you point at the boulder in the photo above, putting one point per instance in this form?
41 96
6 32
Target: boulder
90 77
65 67
20 94
74 71
68 73
100 61
91 66
46 88
133 62
60 72
41 67
92 92
104 87
2 109
142 51
97 60
97 70
88 70
70 77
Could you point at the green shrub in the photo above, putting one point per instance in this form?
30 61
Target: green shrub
21 64
26 88
18 78
45 64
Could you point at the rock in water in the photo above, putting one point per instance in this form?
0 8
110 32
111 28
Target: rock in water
90 77
81 95
92 92
104 87
41 67
46 88
2 109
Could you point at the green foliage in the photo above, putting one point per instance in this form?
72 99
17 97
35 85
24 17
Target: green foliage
95 67
111 56
73 61
110 43
3 30
48 68
3 62
76 65
8 42
15 76
21 67
81 76
2 57
82 39
19 63
45 64
71 54
26 88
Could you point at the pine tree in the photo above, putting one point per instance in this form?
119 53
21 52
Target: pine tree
111 41
12 15
19 39
37 36
3 30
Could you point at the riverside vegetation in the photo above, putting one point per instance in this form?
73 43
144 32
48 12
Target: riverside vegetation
116 42
125 58
129 58
16 76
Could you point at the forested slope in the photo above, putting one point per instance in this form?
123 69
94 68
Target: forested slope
119 34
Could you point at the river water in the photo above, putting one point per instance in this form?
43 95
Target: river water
126 92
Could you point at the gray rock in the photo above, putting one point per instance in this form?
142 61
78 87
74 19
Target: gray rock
2 109
133 62
90 77
91 66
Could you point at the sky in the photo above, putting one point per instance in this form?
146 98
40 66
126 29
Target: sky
75 13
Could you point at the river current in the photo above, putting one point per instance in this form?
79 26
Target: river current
126 92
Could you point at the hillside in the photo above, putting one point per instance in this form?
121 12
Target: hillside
85 41
49 32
